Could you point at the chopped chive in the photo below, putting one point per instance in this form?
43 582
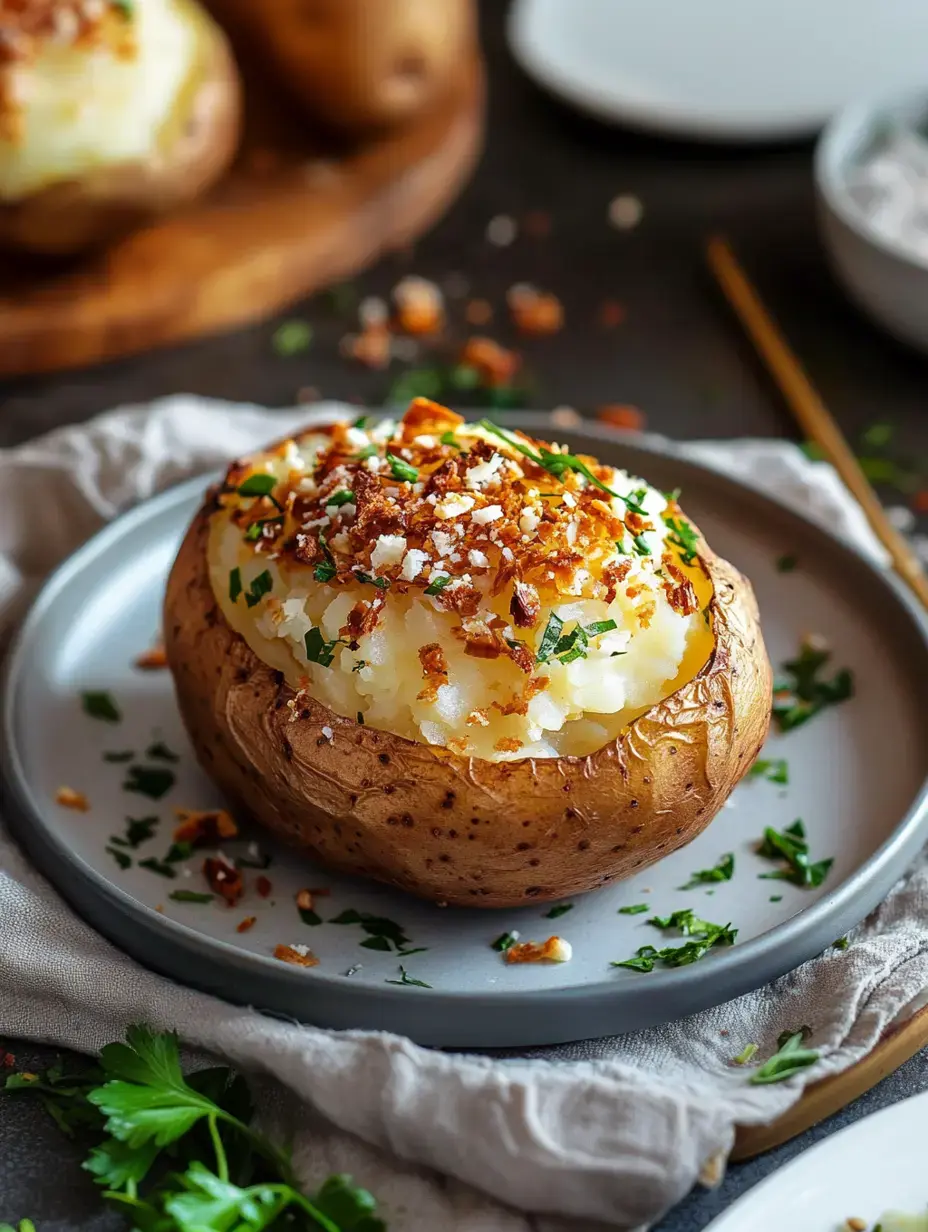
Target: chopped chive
151 781
559 910
342 497
634 909
641 546
746 1055
258 484
161 867
504 942
407 979
235 584
549 638
262 585
120 756
402 470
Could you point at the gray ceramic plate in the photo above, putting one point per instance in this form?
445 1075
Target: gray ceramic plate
857 777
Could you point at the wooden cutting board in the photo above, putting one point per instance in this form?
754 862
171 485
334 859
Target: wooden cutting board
294 214
823 1099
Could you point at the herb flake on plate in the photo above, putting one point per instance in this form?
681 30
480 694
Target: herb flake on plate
138 830
804 692
151 781
291 338
634 909
504 942
704 934
405 978
791 847
773 769
160 752
161 867
118 756
120 857
722 871
787 563
99 704
560 909
190 896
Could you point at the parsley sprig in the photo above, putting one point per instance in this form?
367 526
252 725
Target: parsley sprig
721 871
804 692
144 1106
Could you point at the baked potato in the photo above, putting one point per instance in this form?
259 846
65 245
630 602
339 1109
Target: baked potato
359 67
462 661
111 111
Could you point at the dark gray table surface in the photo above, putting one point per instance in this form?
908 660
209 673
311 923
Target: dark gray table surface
679 357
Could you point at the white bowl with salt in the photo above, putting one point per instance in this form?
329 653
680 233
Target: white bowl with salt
871 173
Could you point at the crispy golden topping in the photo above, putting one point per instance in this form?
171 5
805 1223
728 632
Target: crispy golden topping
152 660
434 670
224 879
247 924
555 949
68 798
204 829
296 955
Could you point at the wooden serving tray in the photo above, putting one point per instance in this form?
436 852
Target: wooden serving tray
295 213
823 1099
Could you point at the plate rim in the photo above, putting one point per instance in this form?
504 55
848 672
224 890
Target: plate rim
743 1204
775 951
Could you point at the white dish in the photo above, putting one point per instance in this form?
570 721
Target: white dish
722 70
874 1166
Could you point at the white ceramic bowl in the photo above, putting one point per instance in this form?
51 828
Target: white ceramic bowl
886 277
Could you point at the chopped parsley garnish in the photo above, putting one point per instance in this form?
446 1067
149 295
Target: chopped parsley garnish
402 470
161 867
435 587
571 646
382 934
120 756
549 639
178 852
318 650
360 718
324 571
292 338
746 1055
684 538
641 546
621 548
308 916
342 497
773 769
804 692
100 705
705 935
151 781
160 751
722 871
361 422
448 438
557 464
190 896
120 857
787 563
504 942
261 586
407 979
359 665
842 943
634 909
138 831
380 582
776 898
560 909
256 529
258 484
791 847
789 1059
235 584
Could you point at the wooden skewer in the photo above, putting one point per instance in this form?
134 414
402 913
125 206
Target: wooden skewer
810 411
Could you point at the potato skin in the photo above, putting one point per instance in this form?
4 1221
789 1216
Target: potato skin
358 67
73 216
455 830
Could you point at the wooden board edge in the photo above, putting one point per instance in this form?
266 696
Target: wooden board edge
823 1099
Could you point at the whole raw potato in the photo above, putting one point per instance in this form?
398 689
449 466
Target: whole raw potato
457 829
360 65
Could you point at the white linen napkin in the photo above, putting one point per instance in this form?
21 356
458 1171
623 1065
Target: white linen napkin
614 1130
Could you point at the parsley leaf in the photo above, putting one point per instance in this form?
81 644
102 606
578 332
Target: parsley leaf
684 538
722 871
120 857
151 781
343 497
258 484
160 752
804 692
774 770
318 650
549 639
791 847
438 585
704 934
138 829
100 705
560 909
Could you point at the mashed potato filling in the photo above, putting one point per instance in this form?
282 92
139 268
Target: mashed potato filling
461 585
88 83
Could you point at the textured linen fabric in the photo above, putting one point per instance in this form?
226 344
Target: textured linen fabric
614 1130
